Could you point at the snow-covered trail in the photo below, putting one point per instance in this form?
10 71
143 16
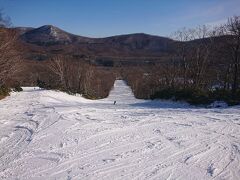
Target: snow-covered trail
52 135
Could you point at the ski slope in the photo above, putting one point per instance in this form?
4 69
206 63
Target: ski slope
51 135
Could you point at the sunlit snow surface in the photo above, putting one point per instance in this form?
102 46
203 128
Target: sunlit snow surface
51 135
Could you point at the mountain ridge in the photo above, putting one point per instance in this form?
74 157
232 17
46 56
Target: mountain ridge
52 34
48 40
55 27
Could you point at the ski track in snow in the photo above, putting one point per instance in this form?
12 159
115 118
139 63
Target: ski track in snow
51 135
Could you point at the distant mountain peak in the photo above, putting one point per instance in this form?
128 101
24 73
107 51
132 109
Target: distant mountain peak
47 34
51 30
48 28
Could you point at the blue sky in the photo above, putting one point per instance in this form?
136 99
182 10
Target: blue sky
101 18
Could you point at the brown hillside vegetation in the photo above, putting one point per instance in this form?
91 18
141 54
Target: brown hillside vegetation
199 59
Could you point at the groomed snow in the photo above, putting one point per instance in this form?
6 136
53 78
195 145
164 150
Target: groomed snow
51 135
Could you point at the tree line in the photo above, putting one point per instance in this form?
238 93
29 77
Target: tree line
203 66
10 61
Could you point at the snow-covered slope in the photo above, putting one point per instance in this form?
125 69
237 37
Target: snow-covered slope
121 93
52 135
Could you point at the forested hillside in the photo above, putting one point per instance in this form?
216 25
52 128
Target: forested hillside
192 63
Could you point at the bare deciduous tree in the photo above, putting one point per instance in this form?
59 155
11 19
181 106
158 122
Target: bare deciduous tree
192 54
200 54
10 61
58 66
183 36
5 21
73 75
232 29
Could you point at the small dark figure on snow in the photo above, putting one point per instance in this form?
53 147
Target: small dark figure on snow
114 102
